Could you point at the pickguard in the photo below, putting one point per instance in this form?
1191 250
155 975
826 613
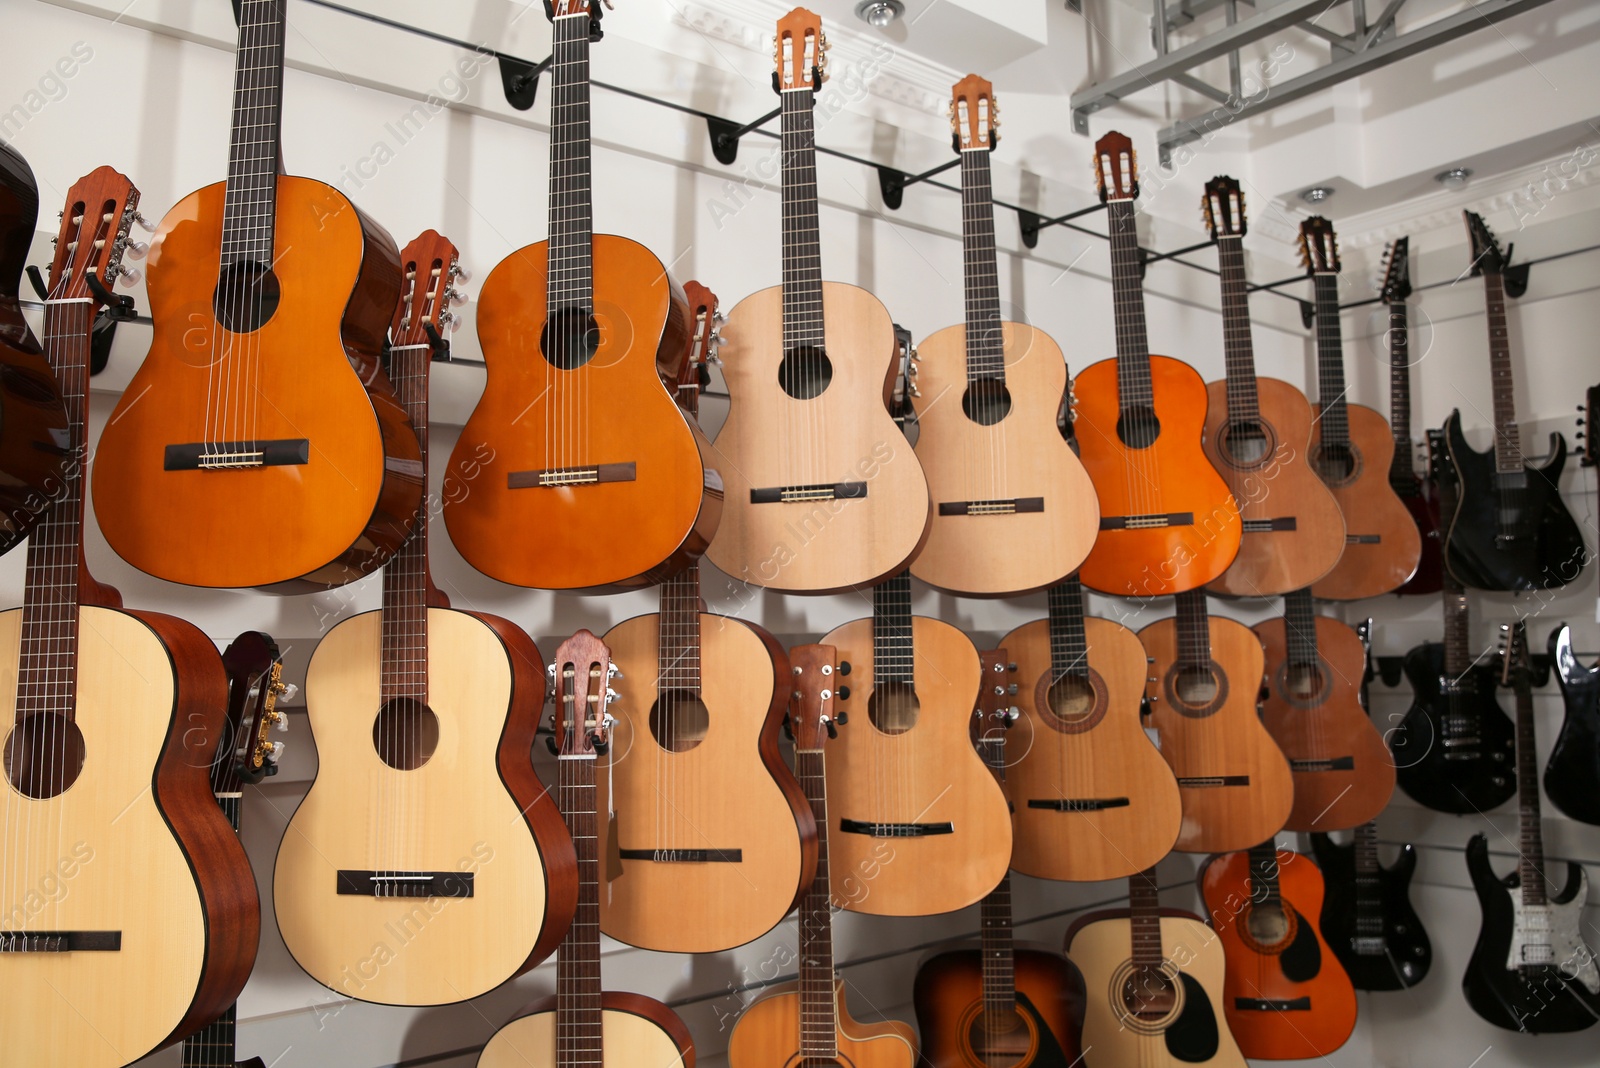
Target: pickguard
1192 1038
1551 934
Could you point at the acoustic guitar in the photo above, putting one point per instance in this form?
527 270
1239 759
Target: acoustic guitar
128 914
1286 996
1531 969
1509 530
427 864
1168 521
1013 509
1157 980
582 1025
1205 676
1574 764
1091 798
581 334
823 493
809 1023
270 295
1367 918
922 827
1352 448
998 1003
703 699
1258 431
1343 773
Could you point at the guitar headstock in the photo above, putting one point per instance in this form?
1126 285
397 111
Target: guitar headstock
1396 285
1319 246
1223 204
694 373
1514 666
1116 168
800 52
556 9
974 115
1590 432
99 211
815 682
255 685
996 710
429 267
1486 255
583 672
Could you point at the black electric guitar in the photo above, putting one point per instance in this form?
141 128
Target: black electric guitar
1367 918
1573 769
1509 529
1531 970
1418 494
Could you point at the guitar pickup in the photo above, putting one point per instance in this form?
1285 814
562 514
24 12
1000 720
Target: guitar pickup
1344 763
405 883
1363 539
1201 782
895 830
1267 526
1007 506
1147 522
1273 1004
684 856
1368 945
557 477
60 941
819 491
232 455
1077 804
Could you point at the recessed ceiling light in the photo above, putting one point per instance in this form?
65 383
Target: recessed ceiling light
1316 194
879 13
1454 178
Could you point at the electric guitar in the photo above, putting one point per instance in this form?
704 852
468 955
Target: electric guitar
1204 677
1286 997
114 718
583 1025
703 698
1510 529
1258 431
1168 521
1531 969
270 295
1367 918
581 334
1352 448
1574 764
823 493
809 1023
1013 509
425 801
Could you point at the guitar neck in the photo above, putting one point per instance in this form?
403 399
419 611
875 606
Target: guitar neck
1264 889
802 251
1330 361
213 1046
893 651
1402 469
571 245
1368 896
1300 628
1244 404
1507 437
1069 647
1134 388
578 1008
251 202
403 670
819 1019
1194 629
1530 853
997 938
1144 921
985 341
678 648
1458 656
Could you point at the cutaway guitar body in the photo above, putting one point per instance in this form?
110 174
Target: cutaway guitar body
768 1036
1368 922
1382 542
1461 778
1042 1032
639 1032
1574 765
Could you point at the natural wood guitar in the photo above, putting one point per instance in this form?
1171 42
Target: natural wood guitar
823 493
427 864
1013 508
1258 435
262 387
128 914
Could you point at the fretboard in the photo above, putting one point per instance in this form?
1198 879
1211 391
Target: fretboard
578 1010
251 202
1069 648
998 943
1127 294
1300 628
1144 919
1530 858
893 652
1330 362
678 648
802 252
985 344
1507 438
1402 469
818 1016
213 1046
1368 885
403 665
571 282
1194 629
1457 630
1238 350
1264 874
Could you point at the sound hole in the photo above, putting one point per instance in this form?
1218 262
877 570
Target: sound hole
1138 427
1336 463
1149 994
1303 681
1000 1039
246 296
569 338
987 401
679 720
44 755
1268 924
405 733
805 372
1245 443
894 707
1196 685
1071 698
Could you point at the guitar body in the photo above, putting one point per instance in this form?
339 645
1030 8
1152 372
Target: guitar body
1421 500
310 372
928 775
1343 773
1423 769
1539 999
1044 1033
844 434
1021 458
1279 487
767 1035
1382 543
1545 549
1234 782
151 695
474 806
1402 956
614 409
1086 748
1278 957
1170 477
1573 769
639 1032
662 798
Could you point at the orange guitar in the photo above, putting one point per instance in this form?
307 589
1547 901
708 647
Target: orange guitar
1167 520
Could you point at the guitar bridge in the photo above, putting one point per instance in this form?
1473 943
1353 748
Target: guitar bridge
558 477
1273 1004
817 491
405 883
1344 763
1077 804
1194 782
60 941
1008 506
234 455
684 856
1267 526
895 830
1147 522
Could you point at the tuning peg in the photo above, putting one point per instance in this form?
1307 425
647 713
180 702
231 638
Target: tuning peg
1011 690
611 696
288 692
128 276
844 667
460 273
275 753
280 722
456 296
551 671
134 250
144 224
843 694
841 717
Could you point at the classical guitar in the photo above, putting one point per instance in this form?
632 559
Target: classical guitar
703 698
809 1023
1157 978
1204 678
113 716
582 1024
1258 433
1352 448
823 493
1091 798
1286 996
581 334
1419 494
1367 918
1168 521
922 827
1574 764
425 801
1013 509
1531 969
1510 529
32 418
1343 773
998 1003
270 295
